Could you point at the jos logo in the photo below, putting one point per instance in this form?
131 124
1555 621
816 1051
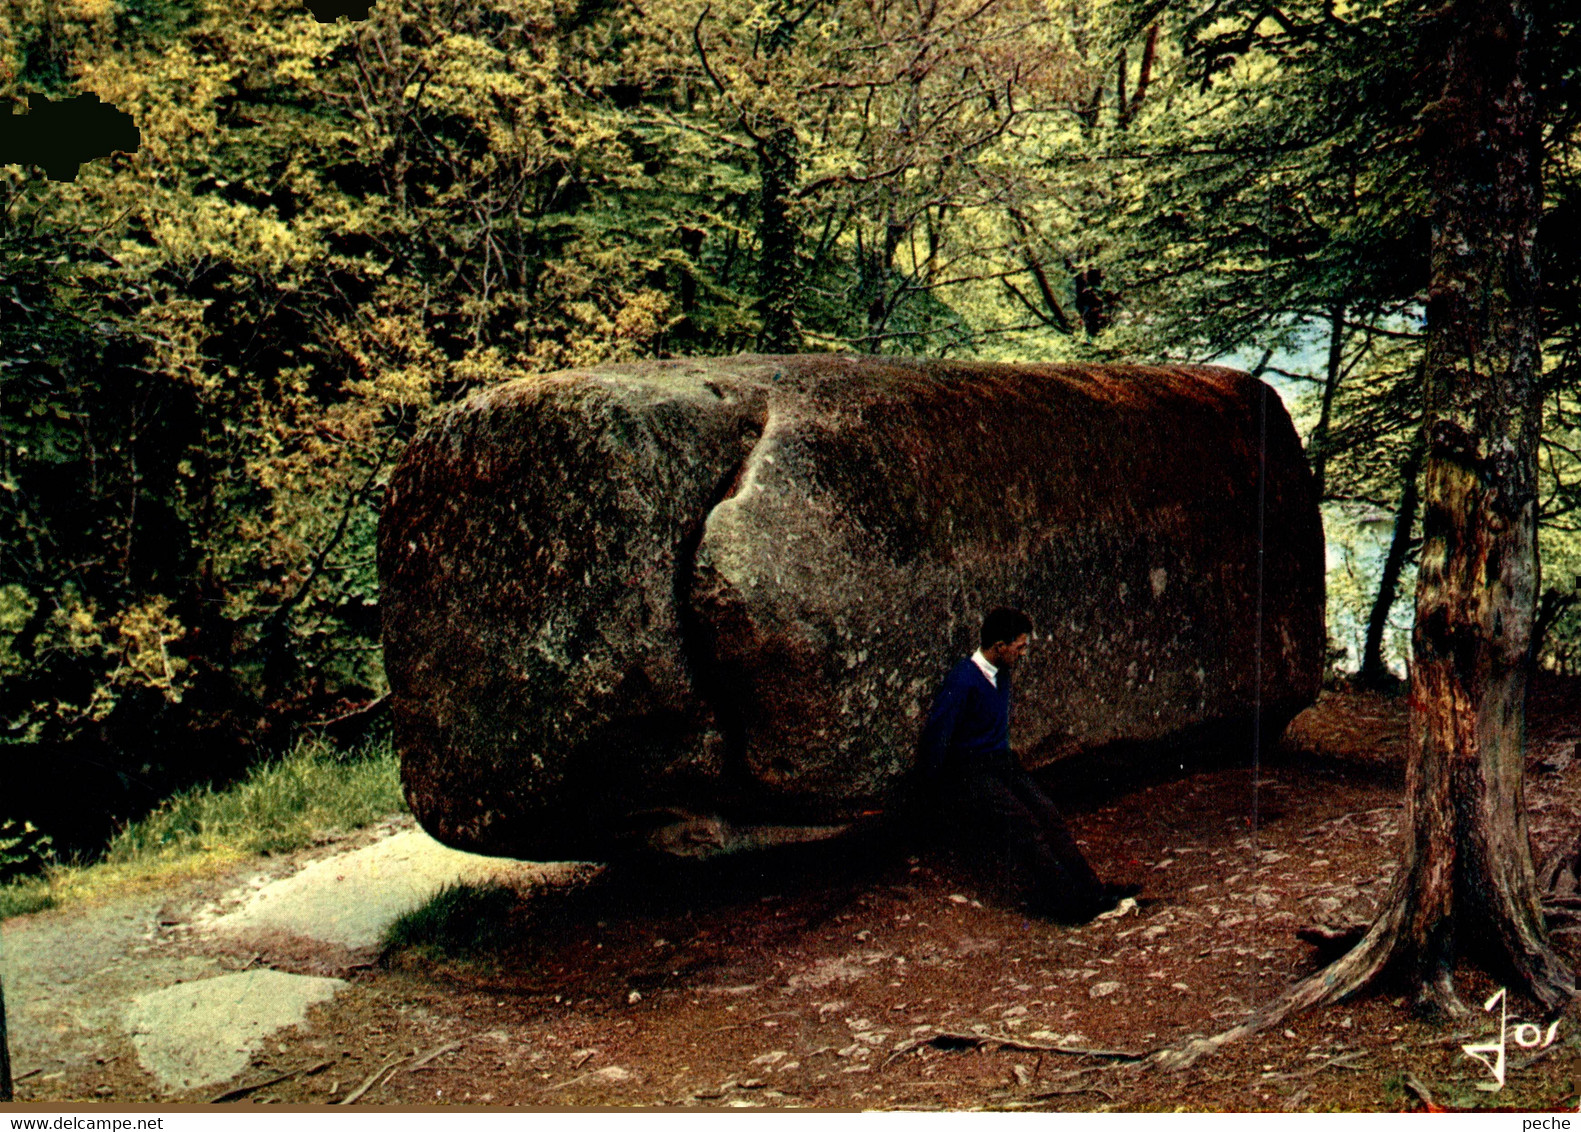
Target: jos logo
1527 1035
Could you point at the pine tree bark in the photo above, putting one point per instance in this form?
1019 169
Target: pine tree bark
1373 673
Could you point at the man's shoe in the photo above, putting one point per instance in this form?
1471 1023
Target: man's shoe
1107 901
1115 900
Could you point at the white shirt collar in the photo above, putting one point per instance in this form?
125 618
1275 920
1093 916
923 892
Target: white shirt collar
987 669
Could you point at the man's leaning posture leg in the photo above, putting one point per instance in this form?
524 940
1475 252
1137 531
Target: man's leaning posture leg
1087 889
1011 830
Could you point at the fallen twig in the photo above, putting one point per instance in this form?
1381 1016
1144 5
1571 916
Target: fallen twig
1421 1091
1343 1061
382 1073
1297 1097
1052 1093
1532 1059
431 1054
1005 1041
577 1080
243 1090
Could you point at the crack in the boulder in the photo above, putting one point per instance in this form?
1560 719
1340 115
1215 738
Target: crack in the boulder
696 635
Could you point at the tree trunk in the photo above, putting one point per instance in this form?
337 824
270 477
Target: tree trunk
1469 861
779 274
5 1055
1374 673
1126 108
1552 605
1317 447
1466 882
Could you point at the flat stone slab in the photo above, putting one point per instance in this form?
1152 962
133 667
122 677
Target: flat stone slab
350 899
70 973
205 1032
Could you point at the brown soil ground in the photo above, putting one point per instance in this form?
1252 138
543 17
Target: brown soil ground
866 975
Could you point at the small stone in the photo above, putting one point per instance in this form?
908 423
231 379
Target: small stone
1102 990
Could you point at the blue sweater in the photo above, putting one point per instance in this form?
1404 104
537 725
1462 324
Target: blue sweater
969 726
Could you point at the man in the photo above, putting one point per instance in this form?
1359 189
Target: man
965 756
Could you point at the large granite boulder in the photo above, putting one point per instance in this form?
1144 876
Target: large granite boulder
694 603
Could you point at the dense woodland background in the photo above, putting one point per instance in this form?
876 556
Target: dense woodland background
212 350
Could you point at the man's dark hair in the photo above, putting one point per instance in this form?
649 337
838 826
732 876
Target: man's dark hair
1004 625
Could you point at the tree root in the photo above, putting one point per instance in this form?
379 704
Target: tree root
1340 979
1436 997
1382 947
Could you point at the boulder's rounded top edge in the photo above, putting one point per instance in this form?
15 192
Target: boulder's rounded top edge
800 373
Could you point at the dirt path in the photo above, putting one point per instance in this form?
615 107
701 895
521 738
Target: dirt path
190 983
859 975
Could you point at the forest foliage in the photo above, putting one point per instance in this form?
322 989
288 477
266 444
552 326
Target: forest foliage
212 349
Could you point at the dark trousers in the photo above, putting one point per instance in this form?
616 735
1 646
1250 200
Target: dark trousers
1006 813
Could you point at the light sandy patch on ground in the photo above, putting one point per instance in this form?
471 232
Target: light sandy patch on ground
201 1033
118 983
350 899
68 976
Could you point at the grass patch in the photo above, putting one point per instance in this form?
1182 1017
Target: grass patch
281 805
467 922
20 897
278 807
